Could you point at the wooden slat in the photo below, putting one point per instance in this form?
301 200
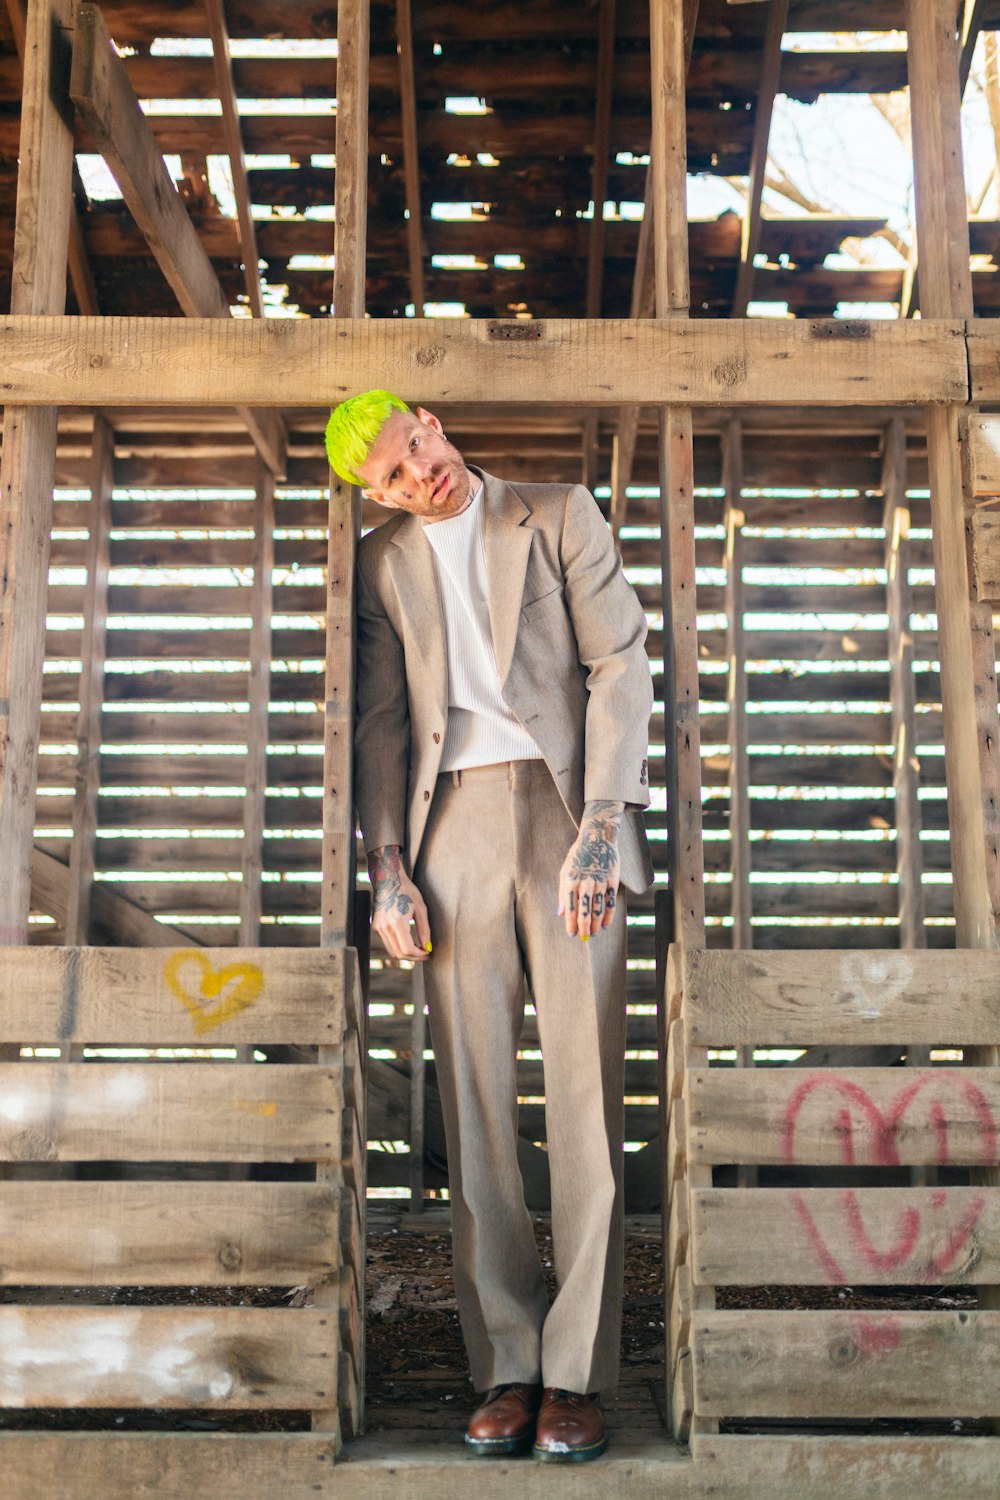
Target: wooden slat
194 997
844 1116
980 434
847 1364
806 998
38 283
215 11
170 1112
770 70
840 1236
235 1357
252 861
595 362
411 155
986 554
177 1466
167 1233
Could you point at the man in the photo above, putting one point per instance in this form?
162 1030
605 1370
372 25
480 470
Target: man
503 696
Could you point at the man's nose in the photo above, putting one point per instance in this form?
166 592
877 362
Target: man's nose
417 468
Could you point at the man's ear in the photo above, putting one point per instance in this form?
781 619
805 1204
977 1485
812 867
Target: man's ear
429 420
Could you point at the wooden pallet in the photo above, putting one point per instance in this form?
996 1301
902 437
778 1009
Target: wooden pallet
115 1218
822 1367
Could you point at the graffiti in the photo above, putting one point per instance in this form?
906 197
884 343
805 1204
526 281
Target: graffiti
219 994
869 1135
876 1336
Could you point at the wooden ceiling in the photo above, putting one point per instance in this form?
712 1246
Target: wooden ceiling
536 69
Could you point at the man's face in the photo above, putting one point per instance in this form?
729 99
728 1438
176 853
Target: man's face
413 467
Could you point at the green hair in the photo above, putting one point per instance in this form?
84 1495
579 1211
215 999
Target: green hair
353 428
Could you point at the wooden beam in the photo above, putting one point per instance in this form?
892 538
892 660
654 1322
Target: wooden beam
411 154
965 626
27 465
116 916
766 91
972 21
338 841
552 363
642 306
252 851
219 32
100 89
87 780
602 137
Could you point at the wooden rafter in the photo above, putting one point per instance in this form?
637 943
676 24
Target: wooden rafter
411 154
766 91
100 89
219 32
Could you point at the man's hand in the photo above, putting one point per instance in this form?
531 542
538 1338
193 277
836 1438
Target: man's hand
396 903
588 880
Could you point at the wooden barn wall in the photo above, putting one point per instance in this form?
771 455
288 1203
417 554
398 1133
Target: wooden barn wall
174 725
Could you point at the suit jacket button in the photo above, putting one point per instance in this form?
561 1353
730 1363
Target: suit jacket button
437 738
427 796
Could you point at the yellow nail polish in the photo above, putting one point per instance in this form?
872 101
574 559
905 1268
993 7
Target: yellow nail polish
584 938
428 947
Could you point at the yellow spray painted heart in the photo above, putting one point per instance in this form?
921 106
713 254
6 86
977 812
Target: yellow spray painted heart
241 982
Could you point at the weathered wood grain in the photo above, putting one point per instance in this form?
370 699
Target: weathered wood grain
847 1364
169 1112
309 362
167 1233
175 996
230 1358
844 1116
804 998
865 1236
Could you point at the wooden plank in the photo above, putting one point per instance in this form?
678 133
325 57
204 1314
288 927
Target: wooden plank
847 1364
844 1116
252 854
411 155
176 1466
980 439
583 362
846 1236
225 1359
902 690
986 554
80 880
196 996
808 998
767 88
603 93
104 97
170 1112
41 238
737 728
215 10
167 1233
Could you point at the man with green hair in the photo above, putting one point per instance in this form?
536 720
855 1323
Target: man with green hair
503 697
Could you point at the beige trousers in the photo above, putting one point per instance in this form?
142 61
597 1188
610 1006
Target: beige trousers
488 870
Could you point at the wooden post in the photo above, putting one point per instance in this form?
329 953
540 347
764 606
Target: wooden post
27 468
739 761
411 154
219 32
254 818
767 88
965 626
685 856
95 629
350 211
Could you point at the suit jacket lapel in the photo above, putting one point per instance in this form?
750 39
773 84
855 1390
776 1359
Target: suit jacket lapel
411 563
508 543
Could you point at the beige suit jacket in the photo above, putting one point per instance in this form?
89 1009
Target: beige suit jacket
568 635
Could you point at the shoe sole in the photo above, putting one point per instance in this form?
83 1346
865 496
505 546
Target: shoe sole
498 1447
567 1455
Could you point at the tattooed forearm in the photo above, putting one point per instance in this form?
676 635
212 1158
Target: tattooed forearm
385 869
596 854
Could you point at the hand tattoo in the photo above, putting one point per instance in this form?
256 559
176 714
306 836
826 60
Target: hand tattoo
596 856
385 869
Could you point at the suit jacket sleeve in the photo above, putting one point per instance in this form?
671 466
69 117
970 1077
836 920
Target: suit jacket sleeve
610 629
382 722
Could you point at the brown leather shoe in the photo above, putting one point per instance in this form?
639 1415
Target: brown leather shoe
570 1428
505 1421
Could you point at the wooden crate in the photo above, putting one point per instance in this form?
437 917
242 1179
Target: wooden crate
829 1369
266 1190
